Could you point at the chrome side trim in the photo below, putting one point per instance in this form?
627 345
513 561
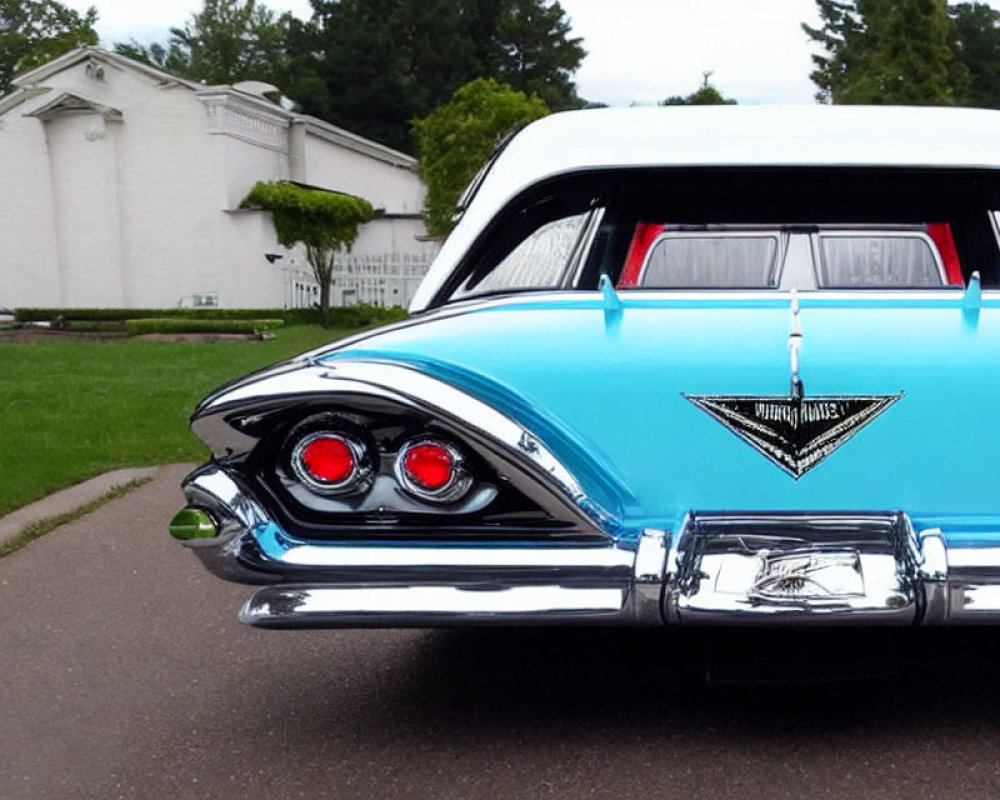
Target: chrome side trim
215 489
933 576
252 548
802 569
513 450
648 576
974 558
973 603
422 389
424 606
451 556
237 514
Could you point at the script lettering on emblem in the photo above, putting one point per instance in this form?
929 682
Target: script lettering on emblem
798 415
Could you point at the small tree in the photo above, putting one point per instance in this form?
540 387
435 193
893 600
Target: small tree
455 140
227 41
324 222
705 95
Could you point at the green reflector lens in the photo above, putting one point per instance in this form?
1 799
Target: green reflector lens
192 523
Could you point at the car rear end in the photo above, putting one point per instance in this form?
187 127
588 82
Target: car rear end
664 389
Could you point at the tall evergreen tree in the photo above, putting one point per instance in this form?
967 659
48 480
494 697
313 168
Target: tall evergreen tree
909 64
977 48
886 51
531 50
35 31
843 39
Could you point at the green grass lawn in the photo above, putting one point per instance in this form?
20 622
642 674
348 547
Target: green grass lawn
72 409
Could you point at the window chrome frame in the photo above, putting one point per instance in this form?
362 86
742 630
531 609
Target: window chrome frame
581 251
995 226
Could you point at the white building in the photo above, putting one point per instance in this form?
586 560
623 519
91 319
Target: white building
120 186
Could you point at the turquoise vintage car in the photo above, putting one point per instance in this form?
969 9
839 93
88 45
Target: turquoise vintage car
679 365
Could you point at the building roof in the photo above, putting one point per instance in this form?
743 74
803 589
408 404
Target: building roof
26 85
718 136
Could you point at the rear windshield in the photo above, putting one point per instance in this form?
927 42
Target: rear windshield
720 230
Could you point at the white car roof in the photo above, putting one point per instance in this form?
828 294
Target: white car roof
717 136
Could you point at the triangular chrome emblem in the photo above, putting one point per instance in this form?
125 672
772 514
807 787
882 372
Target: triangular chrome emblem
796 433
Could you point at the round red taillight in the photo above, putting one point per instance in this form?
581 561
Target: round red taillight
328 459
432 470
330 462
429 465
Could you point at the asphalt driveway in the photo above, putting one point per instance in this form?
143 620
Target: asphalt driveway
125 674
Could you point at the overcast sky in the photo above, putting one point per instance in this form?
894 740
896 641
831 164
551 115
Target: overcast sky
638 50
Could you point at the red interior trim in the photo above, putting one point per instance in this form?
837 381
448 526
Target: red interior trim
645 233
940 233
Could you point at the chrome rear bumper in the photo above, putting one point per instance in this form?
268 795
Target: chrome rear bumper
868 569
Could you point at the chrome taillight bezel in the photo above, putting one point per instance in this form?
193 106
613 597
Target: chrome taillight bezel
457 486
357 480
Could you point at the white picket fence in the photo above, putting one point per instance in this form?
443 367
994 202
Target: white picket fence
382 280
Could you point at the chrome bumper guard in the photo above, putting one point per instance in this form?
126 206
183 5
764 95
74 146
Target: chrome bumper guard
868 569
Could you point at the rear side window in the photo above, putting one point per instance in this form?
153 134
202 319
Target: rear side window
539 261
727 261
852 260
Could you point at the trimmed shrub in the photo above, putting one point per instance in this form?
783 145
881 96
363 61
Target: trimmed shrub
136 327
95 326
364 315
345 317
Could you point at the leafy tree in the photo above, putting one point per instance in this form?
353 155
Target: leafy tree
886 51
977 48
705 95
227 41
374 65
35 31
169 57
458 138
531 50
324 222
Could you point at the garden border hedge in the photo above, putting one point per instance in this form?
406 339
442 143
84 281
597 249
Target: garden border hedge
358 316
